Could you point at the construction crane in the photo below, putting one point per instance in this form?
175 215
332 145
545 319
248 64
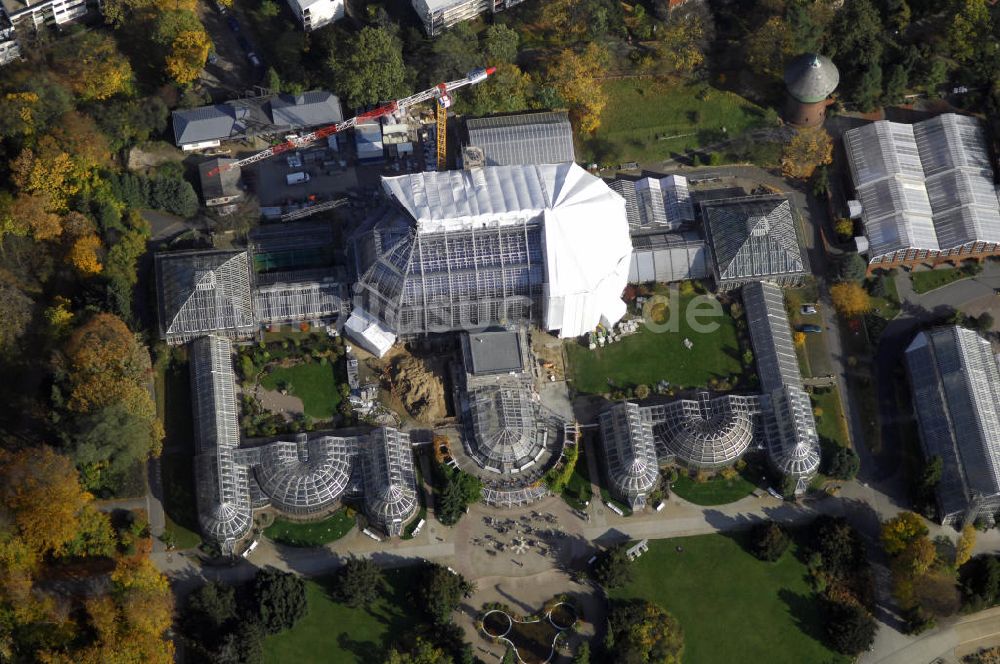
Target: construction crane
439 92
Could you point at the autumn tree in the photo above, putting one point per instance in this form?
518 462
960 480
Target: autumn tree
899 531
966 543
85 254
41 496
679 45
850 299
188 52
93 67
641 631
809 148
17 309
576 78
103 358
769 46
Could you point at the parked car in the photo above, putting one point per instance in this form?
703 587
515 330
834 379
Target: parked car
254 59
212 58
808 309
233 24
244 44
810 329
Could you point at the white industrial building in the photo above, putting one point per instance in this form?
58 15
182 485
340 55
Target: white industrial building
662 204
438 15
313 14
503 245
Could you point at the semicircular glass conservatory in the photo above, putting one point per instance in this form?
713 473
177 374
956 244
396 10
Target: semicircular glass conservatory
305 477
708 433
505 433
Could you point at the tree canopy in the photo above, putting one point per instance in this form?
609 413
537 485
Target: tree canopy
440 591
369 69
280 599
643 632
359 582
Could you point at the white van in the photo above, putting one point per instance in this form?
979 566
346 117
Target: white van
297 178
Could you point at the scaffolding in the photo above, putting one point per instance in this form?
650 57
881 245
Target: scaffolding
455 279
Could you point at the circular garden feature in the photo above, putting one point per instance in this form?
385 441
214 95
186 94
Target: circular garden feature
533 639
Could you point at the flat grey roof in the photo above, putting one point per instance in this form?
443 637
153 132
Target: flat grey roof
495 352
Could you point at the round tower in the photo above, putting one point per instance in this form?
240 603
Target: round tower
810 79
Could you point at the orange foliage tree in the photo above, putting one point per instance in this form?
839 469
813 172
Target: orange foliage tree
576 77
104 361
809 148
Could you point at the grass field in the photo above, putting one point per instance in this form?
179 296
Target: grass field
732 606
332 632
649 120
928 280
716 491
314 383
648 357
173 404
831 423
317 533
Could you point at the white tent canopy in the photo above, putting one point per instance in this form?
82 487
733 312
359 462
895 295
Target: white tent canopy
587 245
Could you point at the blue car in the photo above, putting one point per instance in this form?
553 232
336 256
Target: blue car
234 25
810 329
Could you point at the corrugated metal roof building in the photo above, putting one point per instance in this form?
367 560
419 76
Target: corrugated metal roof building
528 138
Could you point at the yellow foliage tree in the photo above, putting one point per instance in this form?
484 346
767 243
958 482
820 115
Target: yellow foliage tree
576 77
769 46
899 531
104 363
799 337
850 299
679 47
41 495
85 254
809 148
59 316
187 55
47 170
966 543
24 103
844 228
97 69
917 557
30 214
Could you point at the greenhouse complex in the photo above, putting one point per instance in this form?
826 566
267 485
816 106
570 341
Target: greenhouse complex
709 433
456 289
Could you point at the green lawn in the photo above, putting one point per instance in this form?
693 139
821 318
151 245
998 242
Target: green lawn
732 606
332 632
887 307
648 357
316 533
928 280
649 120
716 491
313 382
173 404
831 424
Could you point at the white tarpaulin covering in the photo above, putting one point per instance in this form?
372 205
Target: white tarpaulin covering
369 333
587 245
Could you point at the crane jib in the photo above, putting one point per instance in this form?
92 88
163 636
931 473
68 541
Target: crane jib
439 91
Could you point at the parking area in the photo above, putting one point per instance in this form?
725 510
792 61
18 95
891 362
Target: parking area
228 73
322 173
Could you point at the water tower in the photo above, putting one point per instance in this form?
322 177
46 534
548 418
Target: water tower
810 79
